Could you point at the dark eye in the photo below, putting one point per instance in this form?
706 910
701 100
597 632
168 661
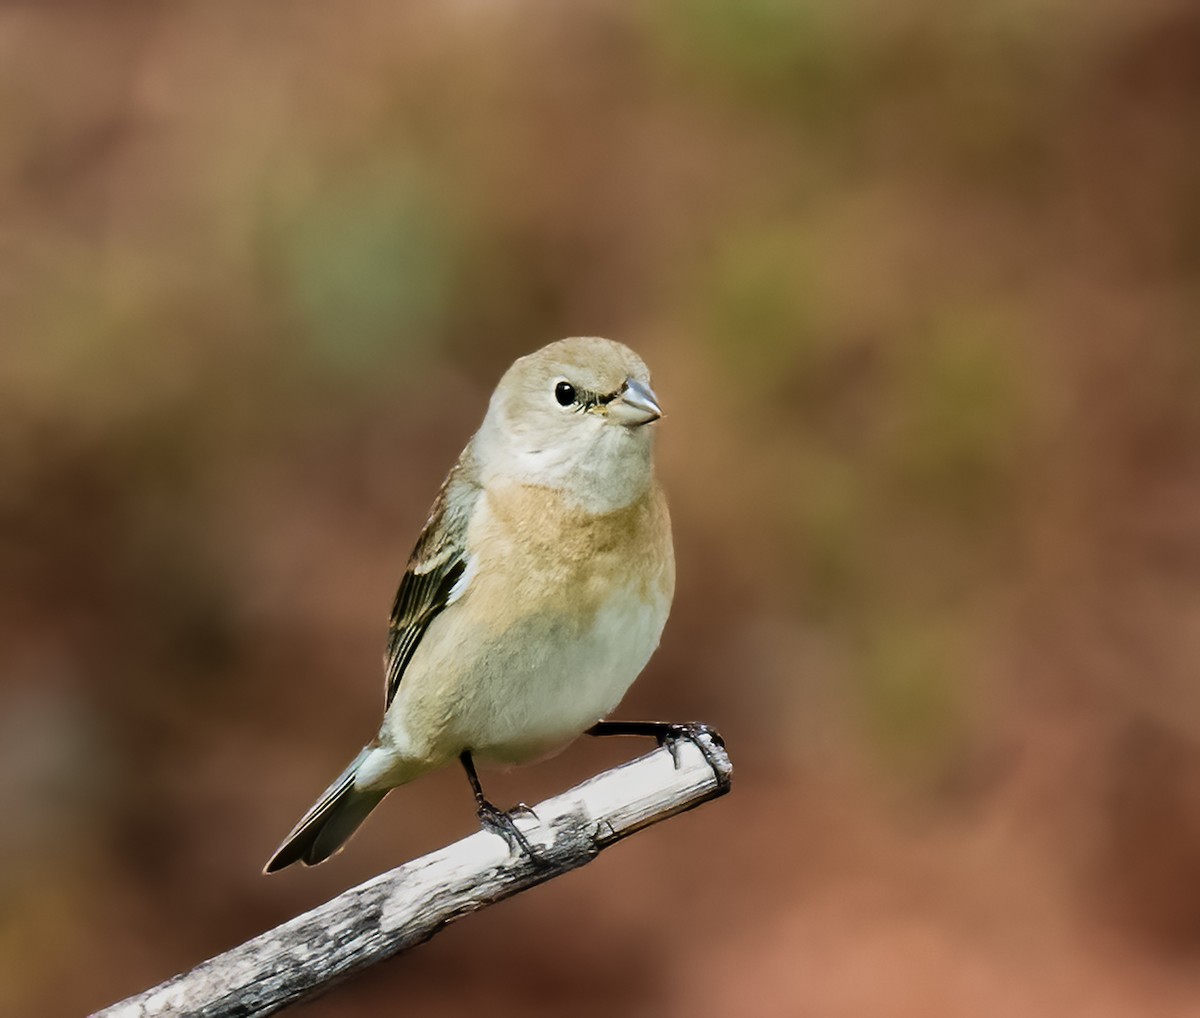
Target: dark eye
564 392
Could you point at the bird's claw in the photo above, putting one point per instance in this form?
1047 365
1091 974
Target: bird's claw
500 822
699 735
520 809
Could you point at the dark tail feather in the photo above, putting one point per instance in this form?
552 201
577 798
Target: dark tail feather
328 825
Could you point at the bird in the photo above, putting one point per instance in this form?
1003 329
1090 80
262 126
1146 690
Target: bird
536 593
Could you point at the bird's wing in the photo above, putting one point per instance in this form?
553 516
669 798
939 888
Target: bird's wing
432 580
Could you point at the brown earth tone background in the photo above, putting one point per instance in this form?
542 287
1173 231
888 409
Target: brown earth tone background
920 284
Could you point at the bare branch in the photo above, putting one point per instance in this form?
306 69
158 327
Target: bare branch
408 905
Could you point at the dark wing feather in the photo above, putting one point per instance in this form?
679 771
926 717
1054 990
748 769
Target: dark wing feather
435 566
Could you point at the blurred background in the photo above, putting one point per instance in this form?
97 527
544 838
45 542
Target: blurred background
920 286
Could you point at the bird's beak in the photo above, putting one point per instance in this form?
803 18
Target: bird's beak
634 405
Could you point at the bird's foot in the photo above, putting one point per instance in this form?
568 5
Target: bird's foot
497 821
699 735
671 734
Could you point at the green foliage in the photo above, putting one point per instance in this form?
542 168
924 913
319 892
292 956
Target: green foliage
913 693
368 264
761 308
770 55
959 408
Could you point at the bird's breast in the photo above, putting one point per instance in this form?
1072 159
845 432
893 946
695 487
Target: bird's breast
536 551
562 612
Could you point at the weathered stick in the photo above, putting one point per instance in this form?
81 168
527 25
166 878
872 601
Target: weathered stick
408 905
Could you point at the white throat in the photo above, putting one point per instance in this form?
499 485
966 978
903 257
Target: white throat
600 467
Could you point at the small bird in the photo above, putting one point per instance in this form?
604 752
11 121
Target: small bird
535 594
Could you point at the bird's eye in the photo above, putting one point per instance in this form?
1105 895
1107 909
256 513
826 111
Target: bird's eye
564 392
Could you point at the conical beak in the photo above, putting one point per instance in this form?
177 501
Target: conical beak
635 405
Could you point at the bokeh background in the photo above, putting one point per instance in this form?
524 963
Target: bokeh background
920 285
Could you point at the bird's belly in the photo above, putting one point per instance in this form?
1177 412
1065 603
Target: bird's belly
578 680
528 694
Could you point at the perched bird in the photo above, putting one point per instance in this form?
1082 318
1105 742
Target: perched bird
535 595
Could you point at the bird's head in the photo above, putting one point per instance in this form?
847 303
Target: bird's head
577 416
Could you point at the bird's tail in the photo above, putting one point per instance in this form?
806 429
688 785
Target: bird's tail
328 825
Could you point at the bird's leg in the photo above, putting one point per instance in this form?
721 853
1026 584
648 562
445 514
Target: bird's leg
669 734
493 818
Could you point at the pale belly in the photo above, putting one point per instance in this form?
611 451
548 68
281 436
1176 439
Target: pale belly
525 694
